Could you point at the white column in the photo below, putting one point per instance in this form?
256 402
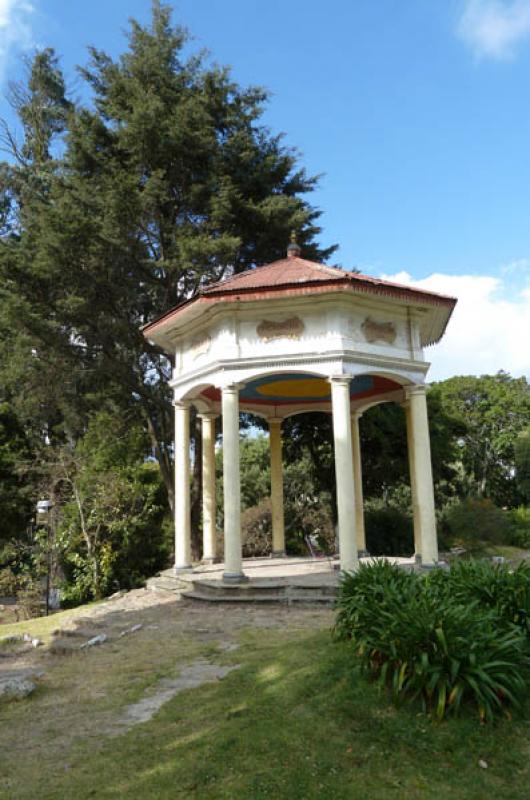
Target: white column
358 484
231 485
182 488
414 494
340 403
421 474
278 526
208 488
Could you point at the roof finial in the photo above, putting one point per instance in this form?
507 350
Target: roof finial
294 248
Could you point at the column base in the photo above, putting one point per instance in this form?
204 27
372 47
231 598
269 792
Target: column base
234 577
349 567
209 561
363 554
177 569
278 554
418 559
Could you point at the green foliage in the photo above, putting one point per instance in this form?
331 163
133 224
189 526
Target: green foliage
476 520
389 531
16 502
363 593
499 587
385 454
520 526
42 107
168 180
308 507
255 470
522 463
256 529
449 639
308 444
111 534
17 566
23 568
493 409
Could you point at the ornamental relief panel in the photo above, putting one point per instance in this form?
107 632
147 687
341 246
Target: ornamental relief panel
375 331
199 346
291 328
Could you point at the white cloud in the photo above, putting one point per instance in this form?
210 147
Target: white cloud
15 29
493 28
520 266
487 331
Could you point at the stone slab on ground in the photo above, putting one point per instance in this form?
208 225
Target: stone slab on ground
15 688
191 676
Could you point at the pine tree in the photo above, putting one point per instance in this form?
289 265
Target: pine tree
168 180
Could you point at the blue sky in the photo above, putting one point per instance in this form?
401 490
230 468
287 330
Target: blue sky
417 113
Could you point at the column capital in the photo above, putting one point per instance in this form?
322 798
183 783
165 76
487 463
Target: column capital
208 415
340 380
182 404
418 389
232 388
356 414
275 420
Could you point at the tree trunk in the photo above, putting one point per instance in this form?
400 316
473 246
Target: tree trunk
164 462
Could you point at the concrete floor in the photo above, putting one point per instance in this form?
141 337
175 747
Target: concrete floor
292 570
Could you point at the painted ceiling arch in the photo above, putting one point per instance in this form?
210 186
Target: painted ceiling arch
303 389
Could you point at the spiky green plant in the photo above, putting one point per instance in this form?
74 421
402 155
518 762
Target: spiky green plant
424 638
495 586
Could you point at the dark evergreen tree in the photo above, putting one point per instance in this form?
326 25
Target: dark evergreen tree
169 180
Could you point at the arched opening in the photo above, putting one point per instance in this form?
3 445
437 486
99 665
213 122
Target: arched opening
293 485
388 513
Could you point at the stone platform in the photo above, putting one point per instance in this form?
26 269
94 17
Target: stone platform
288 580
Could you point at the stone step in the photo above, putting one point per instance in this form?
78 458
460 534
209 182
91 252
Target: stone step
255 595
310 599
245 590
165 584
310 588
230 598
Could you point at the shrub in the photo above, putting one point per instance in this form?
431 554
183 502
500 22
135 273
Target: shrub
363 594
497 587
522 463
476 519
123 522
389 531
306 516
422 637
520 526
256 529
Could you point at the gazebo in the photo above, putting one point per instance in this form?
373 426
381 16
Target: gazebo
286 338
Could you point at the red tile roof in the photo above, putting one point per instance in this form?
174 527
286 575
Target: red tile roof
286 271
295 275
292 271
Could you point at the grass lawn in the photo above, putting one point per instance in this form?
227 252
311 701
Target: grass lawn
295 721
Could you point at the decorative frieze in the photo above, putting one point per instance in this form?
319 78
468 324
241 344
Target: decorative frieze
291 328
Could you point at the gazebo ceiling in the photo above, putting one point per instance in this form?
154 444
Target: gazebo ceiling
302 389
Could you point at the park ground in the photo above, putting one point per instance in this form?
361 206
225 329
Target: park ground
193 701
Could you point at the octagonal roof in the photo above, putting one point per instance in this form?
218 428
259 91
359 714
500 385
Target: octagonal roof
295 276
